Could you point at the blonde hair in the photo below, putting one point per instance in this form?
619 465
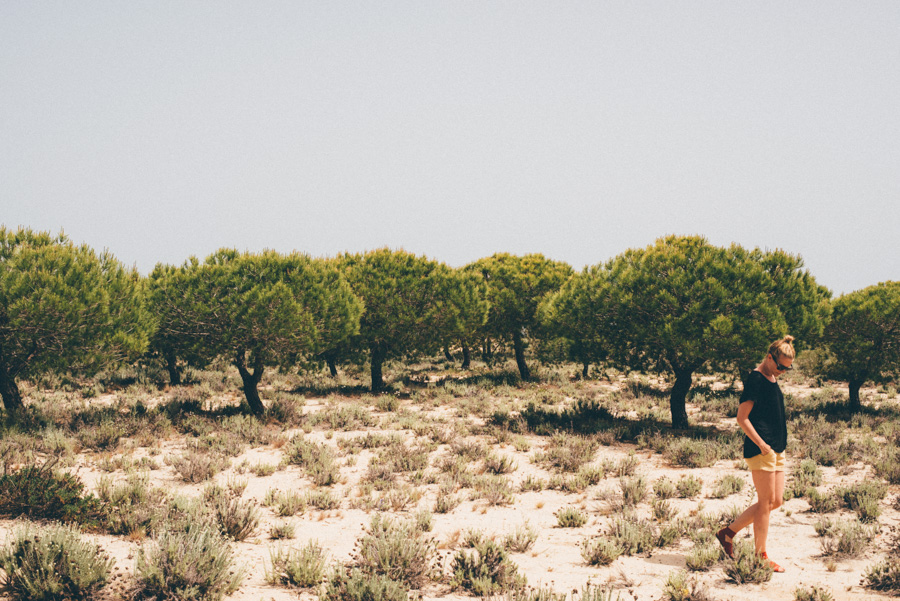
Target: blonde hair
782 347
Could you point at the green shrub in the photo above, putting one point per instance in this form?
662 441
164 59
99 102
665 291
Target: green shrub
813 593
496 490
318 461
571 517
680 587
634 490
195 466
40 493
281 530
600 551
567 452
863 498
499 464
727 485
322 500
662 510
747 567
398 551
236 519
52 564
288 503
845 539
485 570
194 563
689 487
888 465
304 567
689 452
132 506
822 503
521 539
702 557
664 488
632 535
884 576
532 484
355 585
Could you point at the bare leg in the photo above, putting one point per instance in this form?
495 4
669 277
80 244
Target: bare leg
770 491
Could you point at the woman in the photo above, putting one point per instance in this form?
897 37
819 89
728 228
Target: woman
761 417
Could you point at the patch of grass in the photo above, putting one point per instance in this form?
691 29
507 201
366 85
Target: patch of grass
521 539
39 492
702 557
195 466
664 488
727 485
281 530
863 498
689 487
690 452
356 585
567 453
317 460
496 490
845 538
812 593
532 484
398 551
634 490
632 535
499 464
600 551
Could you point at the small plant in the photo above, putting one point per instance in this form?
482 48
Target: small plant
195 466
499 464
521 539
485 570
40 493
356 585
303 568
747 567
236 519
688 452
185 565
571 517
446 501
600 551
396 550
52 563
496 490
631 535
281 530
680 587
626 466
262 470
822 503
863 498
844 539
532 484
634 490
664 488
727 485
702 557
813 593
689 487
286 503
884 576
318 461
662 510
322 500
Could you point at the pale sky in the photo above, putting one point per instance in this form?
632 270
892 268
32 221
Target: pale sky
162 129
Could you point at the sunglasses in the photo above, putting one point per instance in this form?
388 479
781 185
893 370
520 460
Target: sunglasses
778 365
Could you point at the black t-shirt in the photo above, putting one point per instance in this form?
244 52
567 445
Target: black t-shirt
767 415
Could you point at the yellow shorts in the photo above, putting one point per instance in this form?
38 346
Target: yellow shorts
773 462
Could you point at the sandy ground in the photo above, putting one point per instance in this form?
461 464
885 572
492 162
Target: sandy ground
555 559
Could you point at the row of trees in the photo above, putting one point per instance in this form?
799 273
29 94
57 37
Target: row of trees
681 306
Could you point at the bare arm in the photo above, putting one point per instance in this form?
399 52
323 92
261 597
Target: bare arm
743 420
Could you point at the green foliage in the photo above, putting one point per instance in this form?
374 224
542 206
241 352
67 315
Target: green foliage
681 587
355 585
485 570
690 452
863 498
845 538
813 593
884 575
317 460
398 551
689 486
747 567
600 551
515 287
521 539
64 307
304 567
187 564
40 493
864 337
634 490
702 557
571 517
52 564
632 535
567 453
728 485
412 305
683 306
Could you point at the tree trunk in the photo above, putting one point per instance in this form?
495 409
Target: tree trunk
585 370
678 398
332 368
251 382
172 367
487 354
9 390
855 405
447 354
377 355
519 346
466 362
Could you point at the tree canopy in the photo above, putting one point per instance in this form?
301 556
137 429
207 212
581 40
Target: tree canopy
684 306
256 310
515 287
412 304
64 307
864 337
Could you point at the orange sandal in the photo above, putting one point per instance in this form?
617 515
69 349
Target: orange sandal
772 564
728 546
